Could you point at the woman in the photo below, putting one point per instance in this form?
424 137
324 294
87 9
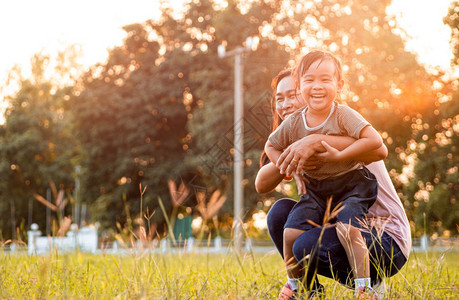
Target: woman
388 233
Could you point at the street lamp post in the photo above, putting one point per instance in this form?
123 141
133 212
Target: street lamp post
238 134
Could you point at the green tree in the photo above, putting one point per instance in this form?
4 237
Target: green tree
131 114
452 20
130 119
434 187
35 147
162 105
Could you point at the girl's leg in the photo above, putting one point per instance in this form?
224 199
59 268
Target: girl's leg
320 252
276 219
356 249
277 216
291 264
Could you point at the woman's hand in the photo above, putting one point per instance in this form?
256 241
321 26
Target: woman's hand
293 159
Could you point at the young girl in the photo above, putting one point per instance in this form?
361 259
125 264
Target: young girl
341 176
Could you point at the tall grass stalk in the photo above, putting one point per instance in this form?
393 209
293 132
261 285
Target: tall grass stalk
149 275
169 225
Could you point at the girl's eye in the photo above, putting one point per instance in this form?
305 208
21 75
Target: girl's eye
279 100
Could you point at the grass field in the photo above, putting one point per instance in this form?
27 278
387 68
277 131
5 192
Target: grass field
197 276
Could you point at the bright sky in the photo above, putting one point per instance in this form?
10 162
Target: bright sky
423 22
30 26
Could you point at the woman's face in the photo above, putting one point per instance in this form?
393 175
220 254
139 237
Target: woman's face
287 97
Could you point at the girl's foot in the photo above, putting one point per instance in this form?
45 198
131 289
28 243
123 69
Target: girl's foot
365 293
287 293
317 291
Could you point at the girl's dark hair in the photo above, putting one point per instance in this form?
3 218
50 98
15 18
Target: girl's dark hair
313 56
276 118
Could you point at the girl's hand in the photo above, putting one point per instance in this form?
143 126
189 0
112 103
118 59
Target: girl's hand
311 164
331 155
301 187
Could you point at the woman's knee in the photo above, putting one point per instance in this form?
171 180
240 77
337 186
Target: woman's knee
315 242
303 246
278 214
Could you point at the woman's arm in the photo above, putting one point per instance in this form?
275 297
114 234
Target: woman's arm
273 155
375 155
268 177
300 150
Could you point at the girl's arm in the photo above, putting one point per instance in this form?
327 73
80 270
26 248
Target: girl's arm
369 140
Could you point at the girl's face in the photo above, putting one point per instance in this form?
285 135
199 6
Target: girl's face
287 97
319 86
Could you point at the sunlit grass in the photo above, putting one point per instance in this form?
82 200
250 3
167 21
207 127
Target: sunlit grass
197 276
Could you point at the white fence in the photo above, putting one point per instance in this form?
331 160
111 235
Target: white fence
86 240
424 244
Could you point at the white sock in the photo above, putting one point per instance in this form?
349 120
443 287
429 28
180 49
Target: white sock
293 283
365 282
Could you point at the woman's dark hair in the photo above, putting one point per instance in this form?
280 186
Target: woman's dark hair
276 118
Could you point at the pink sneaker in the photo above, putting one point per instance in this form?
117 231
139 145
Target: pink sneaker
287 293
365 293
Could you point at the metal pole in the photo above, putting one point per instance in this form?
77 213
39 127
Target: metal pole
251 45
13 220
76 196
48 212
30 216
238 151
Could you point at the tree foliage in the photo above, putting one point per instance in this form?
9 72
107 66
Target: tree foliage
452 20
161 106
36 147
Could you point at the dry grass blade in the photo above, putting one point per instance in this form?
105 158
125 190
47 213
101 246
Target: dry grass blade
45 202
215 203
142 234
313 223
53 187
65 226
327 210
60 199
177 196
338 208
201 199
210 209
214 198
